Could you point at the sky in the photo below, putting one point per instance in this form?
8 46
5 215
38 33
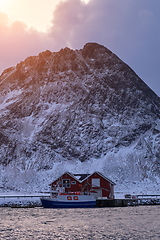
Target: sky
129 28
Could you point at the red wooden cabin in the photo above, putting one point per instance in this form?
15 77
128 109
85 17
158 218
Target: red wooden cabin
96 184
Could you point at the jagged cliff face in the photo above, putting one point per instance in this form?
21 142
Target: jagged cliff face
78 105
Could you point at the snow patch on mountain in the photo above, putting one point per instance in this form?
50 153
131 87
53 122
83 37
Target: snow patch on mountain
9 98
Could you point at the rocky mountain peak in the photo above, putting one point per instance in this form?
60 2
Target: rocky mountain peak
79 105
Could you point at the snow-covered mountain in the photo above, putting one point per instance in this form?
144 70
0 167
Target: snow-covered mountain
77 110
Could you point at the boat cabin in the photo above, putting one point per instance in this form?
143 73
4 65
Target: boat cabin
95 184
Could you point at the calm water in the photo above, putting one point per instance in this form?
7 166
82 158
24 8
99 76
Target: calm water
138 223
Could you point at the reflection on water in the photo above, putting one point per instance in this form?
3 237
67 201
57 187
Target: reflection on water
136 223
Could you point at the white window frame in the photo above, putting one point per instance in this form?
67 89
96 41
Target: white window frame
96 182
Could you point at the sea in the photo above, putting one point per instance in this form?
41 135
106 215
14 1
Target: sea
119 223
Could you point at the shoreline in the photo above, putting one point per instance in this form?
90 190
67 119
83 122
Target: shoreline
100 203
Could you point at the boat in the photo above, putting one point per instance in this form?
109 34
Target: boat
64 200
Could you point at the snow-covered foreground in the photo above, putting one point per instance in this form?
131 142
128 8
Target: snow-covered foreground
19 201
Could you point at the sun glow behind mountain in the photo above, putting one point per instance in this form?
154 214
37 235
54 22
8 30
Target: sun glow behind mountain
86 1
4 5
34 13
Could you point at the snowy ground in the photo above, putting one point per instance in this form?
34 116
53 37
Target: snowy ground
14 181
20 199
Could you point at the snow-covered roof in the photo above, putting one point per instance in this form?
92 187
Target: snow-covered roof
101 176
82 177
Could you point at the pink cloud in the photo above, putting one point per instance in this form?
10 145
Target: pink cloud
68 22
17 42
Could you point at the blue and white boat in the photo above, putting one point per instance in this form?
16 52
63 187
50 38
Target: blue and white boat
69 201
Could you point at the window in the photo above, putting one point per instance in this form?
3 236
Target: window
73 182
66 183
95 182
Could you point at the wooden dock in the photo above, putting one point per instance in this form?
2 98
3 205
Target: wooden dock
136 201
116 203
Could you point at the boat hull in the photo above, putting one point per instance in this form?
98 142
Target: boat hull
50 203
